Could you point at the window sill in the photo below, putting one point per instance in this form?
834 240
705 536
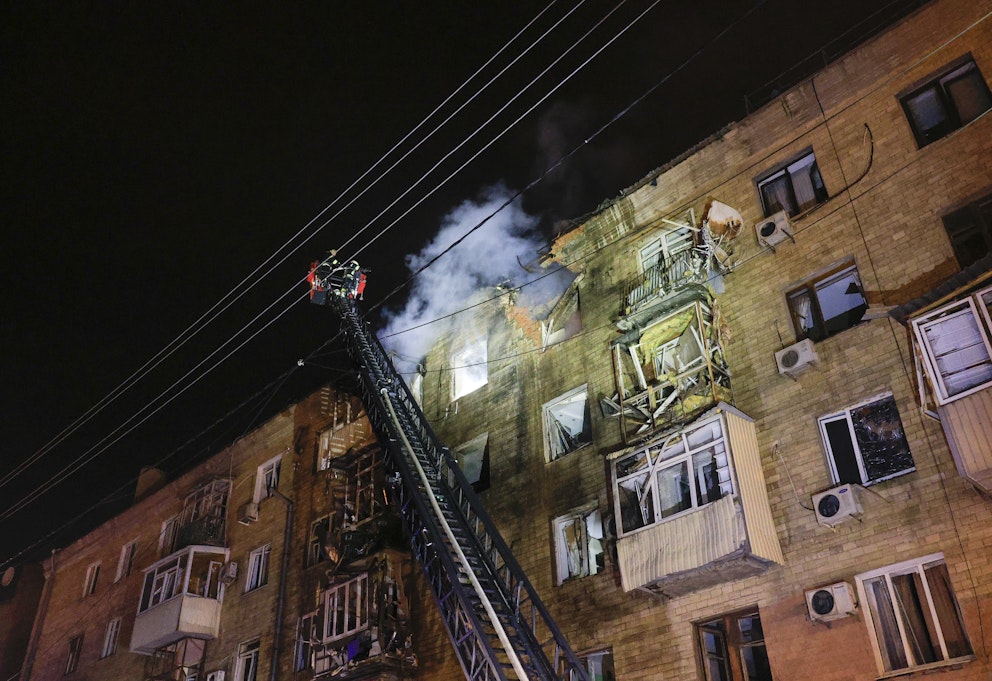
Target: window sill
569 453
942 666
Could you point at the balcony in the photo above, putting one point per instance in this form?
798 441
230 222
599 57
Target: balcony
181 598
692 507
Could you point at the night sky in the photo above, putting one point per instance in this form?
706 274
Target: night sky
153 155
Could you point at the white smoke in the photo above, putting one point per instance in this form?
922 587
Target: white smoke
487 257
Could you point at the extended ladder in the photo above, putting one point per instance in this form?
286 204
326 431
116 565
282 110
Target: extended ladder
494 617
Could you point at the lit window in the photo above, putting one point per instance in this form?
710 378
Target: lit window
470 370
110 637
579 543
732 648
912 615
267 478
258 568
970 231
957 352
318 546
683 471
598 666
126 562
865 443
346 608
473 459
92 575
75 650
246 666
947 101
566 424
795 187
827 304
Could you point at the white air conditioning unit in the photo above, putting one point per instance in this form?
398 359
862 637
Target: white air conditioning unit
796 358
830 602
837 505
229 572
248 513
216 676
773 230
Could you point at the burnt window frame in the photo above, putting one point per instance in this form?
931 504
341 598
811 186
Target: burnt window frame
939 82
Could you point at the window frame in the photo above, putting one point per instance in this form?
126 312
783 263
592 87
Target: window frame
590 560
167 535
111 638
662 247
75 652
966 224
938 82
170 577
769 177
91 578
248 653
470 355
584 437
594 663
356 604
659 457
809 287
477 446
733 642
875 623
313 556
303 652
267 478
257 574
125 563
975 306
859 456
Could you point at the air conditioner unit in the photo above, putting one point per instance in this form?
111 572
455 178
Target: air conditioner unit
830 602
229 572
248 513
773 230
216 676
796 358
837 505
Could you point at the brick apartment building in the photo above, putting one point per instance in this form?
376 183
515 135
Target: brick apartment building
748 439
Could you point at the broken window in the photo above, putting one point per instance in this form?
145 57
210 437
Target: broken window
126 561
167 535
566 424
92 574
75 650
195 571
565 319
307 637
827 304
732 648
318 547
348 429
346 608
970 231
267 478
579 543
258 568
469 368
660 249
912 615
794 187
204 512
947 101
246 665
865 444
365 493
473 459
598 666
956 346
685 470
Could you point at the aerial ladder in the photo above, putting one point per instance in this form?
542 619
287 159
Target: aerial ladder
497 624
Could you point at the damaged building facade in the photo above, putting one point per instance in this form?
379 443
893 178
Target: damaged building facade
277 558
750 439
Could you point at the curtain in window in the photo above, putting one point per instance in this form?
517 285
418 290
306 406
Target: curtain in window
802 310
777 195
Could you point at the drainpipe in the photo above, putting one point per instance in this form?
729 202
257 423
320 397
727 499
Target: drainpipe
283 575
39 620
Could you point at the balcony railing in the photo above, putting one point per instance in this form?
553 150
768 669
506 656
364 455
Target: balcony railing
667 277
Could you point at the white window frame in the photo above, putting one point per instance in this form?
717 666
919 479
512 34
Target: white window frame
313 544
92 576
75 652
674 450
975 307
110 638
257 574
807 301
304 651
553 449
267 478
167 535
353 614
590 546
170 576
869 605
845 415
661 248
246 663
125 564
469 368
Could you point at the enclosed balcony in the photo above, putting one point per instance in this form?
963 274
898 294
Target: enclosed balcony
692 507
181 598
